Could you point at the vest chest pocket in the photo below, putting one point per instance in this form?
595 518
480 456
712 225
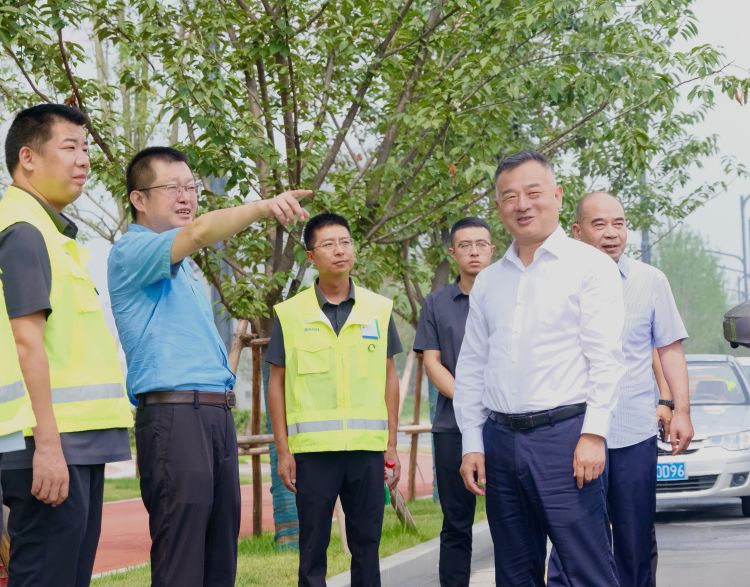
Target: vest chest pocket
316 387
84 292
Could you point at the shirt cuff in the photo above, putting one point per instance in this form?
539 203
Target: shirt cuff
596 421
472 441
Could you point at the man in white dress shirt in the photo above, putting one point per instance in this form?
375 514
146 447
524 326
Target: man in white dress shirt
651 320
535 386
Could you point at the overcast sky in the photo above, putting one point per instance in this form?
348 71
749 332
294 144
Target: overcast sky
718 220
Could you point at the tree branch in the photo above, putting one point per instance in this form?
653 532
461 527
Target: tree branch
362 89
79 99
312 19
31 83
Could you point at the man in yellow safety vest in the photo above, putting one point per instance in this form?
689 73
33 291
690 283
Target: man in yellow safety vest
54 485
15 406
333 402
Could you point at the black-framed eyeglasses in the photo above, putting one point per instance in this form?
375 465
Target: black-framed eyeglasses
174 190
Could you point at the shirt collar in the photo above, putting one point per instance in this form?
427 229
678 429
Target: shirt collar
138 228
553 244
625 265
322 299
455 289
63 223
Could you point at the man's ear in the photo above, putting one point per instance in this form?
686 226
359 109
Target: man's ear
26 158
576 228
137 198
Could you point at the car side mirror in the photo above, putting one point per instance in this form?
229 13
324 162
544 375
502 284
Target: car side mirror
737 325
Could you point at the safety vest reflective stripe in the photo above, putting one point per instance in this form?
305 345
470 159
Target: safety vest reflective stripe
11 392
328 425
321 426
82 393
362 424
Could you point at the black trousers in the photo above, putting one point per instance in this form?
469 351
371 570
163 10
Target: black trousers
357 477
54 546
458 505
187 456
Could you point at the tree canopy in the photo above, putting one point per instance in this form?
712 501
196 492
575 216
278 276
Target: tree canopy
699 290
394 112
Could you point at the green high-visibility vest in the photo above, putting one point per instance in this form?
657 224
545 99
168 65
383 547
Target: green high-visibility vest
88 392
15 405
335 385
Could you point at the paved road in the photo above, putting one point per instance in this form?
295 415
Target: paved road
704 546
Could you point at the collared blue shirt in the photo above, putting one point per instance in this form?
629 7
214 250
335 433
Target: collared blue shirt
164 318
651 320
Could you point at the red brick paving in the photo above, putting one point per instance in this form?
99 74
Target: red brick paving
125 541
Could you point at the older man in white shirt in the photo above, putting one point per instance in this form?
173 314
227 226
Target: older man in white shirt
651 321
535 386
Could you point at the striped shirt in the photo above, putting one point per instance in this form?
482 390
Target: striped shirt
651 320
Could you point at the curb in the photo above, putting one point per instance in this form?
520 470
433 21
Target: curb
418 566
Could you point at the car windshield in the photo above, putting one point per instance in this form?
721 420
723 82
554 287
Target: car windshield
715 383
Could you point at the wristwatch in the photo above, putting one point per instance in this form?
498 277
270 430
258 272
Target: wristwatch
667 402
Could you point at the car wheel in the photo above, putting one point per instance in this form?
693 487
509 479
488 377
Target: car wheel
746 507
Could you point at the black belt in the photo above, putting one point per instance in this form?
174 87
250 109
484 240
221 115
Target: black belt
530 420
196 398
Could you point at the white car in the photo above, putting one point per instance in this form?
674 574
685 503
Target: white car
717 462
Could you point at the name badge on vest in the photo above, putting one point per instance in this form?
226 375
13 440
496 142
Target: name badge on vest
371 330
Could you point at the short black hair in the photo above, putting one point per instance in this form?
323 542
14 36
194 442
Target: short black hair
139 173
469 222
32 128
519 159
320 221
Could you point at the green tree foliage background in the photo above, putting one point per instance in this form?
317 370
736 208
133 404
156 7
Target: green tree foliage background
395 112
698 286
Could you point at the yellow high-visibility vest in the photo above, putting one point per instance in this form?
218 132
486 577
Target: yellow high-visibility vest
15 404
335 385
88 392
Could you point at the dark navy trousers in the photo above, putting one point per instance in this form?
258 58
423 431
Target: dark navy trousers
357 478
532 495
458 505
190 485
54 546
631 501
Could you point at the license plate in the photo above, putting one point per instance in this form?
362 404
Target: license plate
671 472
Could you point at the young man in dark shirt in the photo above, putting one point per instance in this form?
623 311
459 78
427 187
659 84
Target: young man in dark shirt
439 335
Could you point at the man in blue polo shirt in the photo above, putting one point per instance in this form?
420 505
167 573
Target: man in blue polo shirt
439 336
178 373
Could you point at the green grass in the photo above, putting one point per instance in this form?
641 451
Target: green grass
129 488
261 564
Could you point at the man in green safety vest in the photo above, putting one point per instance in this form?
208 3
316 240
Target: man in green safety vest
54 486
333 402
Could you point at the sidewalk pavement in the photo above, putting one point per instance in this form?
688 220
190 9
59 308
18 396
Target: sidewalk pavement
125 540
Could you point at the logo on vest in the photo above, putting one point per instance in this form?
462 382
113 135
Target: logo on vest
312 329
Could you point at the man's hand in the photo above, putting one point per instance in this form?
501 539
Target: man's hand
472 472
287 468
664 415
50 475
391 455
589 459
680 432
285 207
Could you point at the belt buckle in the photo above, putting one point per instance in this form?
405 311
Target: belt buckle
230 398
518 422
